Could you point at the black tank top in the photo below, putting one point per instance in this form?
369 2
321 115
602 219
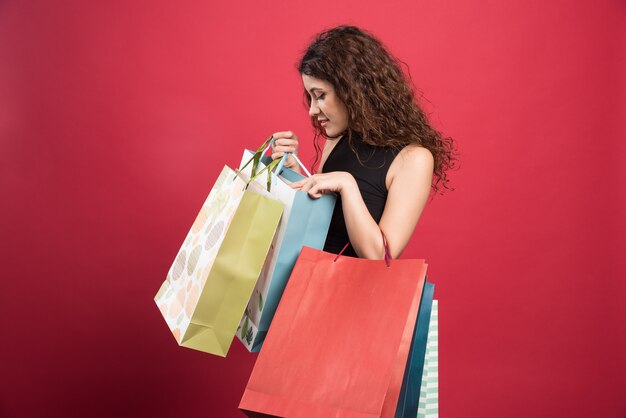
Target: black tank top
368 165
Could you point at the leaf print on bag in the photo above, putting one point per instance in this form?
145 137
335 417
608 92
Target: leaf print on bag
192 301
208 224
217 209
205 275
193 259
217 206
200 220
198 275
176 308
163 309
260 302
224 175
249 336
214 235
244 328
179 265
163 290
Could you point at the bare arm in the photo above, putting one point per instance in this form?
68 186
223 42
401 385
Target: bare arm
409 188
408 180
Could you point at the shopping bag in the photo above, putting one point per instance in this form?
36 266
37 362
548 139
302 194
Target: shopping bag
411 384
429 391
339 340
305 221
213 275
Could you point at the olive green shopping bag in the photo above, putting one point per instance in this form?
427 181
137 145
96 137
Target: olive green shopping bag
208 286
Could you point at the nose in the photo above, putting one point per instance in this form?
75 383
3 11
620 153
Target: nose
313 108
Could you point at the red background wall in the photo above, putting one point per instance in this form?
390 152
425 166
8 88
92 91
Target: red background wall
116 117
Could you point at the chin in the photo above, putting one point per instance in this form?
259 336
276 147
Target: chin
330 133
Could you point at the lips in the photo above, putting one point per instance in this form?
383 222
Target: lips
323 122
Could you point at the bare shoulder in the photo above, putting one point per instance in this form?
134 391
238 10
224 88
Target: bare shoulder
414 154
413 160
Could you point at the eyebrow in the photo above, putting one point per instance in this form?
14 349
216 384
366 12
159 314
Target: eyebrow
316 89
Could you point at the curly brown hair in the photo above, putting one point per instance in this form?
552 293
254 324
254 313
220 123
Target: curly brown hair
379 97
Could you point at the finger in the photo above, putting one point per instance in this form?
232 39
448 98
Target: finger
286 142
281 143
308 183
284 134
276 155
297 184
288 163
314 192
303 184
284 148
291 162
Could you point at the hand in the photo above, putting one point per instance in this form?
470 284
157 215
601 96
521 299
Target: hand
285 142
325 183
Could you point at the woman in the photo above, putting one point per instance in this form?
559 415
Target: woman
380 155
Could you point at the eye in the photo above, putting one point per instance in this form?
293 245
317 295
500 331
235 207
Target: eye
321 96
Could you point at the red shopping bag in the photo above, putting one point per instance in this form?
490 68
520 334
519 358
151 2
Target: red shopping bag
340 339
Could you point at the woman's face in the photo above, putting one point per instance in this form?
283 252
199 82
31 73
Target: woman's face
325 106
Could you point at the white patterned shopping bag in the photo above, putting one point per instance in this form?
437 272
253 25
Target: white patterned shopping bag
429 392
216 269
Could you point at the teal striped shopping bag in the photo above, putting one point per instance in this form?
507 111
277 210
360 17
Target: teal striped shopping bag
408 400
429 391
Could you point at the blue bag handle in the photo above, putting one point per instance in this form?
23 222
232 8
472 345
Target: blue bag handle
277 164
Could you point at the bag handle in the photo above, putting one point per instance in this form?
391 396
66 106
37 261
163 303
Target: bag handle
256 157
387 257
277 163
284 158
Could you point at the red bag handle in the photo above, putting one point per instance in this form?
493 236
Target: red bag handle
385 244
